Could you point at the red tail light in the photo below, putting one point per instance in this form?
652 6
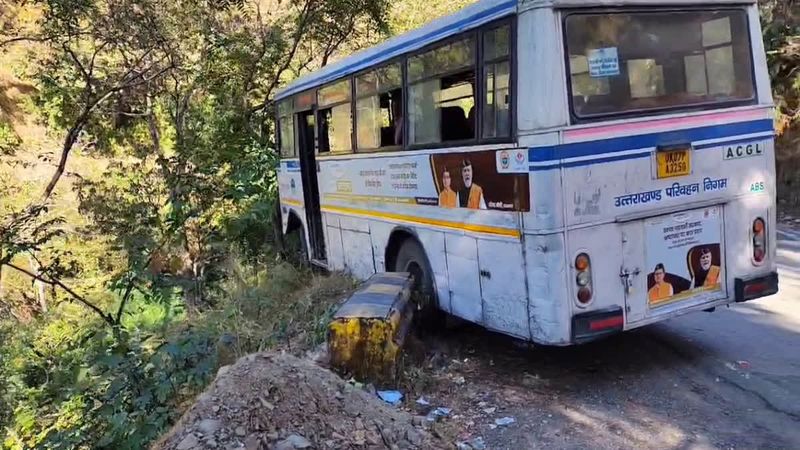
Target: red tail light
759 240
604 324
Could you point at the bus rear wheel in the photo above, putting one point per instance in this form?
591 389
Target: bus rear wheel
411 258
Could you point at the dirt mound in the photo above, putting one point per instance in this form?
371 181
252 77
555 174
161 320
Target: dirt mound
278 401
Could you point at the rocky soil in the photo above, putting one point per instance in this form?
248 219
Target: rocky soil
281 402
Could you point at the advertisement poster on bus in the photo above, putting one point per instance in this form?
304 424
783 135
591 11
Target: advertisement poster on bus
684 255
447 180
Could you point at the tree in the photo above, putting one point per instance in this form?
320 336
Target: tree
780 21
179 93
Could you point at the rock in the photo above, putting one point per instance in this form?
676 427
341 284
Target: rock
418 421
413 436
223 370
209 426
359 424
252 442
477 443
294 441
240 431
188 443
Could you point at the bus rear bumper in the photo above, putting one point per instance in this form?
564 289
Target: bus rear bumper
593 325
746 289
598 324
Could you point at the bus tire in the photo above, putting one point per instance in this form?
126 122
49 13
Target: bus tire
411 258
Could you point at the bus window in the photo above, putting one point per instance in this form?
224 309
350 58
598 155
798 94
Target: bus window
379 108
442 93
286 128
335 118
638 61
496 75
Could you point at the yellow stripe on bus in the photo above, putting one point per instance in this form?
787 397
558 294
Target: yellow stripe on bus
425 221
292 202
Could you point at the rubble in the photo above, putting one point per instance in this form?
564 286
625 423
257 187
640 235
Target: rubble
277 401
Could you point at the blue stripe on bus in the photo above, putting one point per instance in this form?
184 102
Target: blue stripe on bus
292 164
391 52
558 152
735 141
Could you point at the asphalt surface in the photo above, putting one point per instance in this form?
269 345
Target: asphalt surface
727 379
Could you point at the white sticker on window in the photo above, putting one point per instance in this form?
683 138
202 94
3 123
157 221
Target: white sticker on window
603 62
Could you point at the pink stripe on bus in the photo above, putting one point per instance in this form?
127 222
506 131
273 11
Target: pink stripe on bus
676 121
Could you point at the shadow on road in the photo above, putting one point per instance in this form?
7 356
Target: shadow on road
728 379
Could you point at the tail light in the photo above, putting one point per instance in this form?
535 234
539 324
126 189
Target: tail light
759 240
583 278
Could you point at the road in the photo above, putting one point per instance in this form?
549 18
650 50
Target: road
728 379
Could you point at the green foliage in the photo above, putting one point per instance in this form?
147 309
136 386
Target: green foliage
71 383
9 141
77 385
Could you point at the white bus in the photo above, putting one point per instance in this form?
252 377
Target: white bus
555 170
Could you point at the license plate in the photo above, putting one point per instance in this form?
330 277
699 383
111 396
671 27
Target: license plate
674 163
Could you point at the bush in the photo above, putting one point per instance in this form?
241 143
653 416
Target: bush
68 381
77 384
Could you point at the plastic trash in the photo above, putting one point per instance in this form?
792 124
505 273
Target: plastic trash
503 421
477 443
391 397
438 413
743 364
423 402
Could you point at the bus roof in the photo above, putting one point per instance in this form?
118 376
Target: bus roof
472 16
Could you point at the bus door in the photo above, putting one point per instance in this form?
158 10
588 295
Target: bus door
308 172
673 261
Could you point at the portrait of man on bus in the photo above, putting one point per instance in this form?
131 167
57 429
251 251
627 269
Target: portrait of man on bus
471 195
661 289
447 198
705 274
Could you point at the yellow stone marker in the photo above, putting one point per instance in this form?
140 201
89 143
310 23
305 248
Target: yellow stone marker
368 331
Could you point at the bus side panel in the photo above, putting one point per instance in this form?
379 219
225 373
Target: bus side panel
333 244
380 232
465 287
549 310
434 244
505 300
539 57
603 244
358 259
546 211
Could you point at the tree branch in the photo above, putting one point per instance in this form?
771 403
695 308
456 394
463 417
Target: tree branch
55 282
298 38
24 39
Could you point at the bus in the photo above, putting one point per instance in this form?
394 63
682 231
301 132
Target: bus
554 170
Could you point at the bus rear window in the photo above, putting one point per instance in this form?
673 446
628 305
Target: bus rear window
626 62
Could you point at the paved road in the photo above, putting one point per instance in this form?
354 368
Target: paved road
727 379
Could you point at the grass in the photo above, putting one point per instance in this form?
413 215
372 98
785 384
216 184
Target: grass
274 306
